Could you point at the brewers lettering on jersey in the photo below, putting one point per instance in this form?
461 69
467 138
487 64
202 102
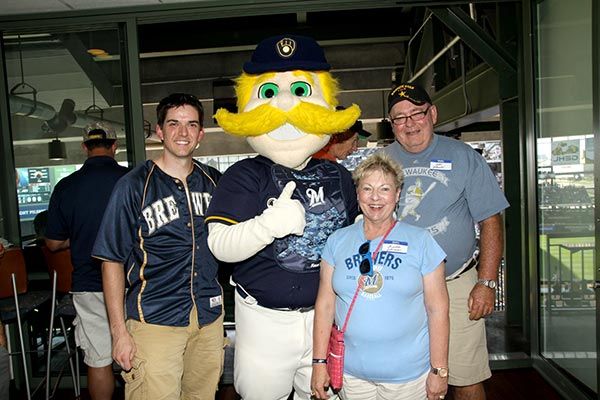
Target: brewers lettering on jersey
163 211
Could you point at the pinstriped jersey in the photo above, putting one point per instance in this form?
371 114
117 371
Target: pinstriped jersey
154 225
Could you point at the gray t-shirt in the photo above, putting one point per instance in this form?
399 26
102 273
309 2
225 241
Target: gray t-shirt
448 188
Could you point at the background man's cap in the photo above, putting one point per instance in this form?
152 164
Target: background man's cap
287 53
100 130
407 91
358 128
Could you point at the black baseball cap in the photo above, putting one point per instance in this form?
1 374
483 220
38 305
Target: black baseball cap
408 91
287 53
99 130
358 128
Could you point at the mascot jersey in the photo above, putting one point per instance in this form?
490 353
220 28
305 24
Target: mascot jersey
448 187
285 274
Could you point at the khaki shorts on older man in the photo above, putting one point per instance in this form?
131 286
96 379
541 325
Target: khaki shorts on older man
468 355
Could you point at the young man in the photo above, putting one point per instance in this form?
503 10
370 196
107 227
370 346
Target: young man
450 189
153 233
74 216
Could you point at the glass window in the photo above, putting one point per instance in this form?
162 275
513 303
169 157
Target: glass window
565 165
59 82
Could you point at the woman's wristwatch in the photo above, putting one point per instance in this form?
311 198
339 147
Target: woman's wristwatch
442 372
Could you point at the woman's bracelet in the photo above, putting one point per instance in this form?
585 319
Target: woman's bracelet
319 361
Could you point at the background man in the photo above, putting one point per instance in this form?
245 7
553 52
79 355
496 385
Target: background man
171 346
459 190
341 145
74 215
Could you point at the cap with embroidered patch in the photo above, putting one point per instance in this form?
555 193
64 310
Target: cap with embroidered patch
287 53
407 91
100 130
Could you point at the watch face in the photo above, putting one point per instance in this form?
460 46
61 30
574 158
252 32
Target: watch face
441 372
488 282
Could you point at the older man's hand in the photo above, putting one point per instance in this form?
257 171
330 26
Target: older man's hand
481 302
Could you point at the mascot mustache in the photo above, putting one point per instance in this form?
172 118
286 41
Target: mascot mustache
308 117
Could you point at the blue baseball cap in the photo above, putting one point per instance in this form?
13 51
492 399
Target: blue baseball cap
287 53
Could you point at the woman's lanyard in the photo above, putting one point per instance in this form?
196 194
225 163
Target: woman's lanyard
382 240
361 278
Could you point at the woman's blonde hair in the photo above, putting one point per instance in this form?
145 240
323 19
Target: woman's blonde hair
379 161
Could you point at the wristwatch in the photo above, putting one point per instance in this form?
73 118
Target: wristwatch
442 372
488 282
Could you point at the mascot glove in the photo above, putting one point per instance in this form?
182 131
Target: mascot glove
235 243
285 216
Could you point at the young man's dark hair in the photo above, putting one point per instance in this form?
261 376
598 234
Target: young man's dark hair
177 100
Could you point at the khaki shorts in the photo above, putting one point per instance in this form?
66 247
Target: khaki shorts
92 333
173 363
468 355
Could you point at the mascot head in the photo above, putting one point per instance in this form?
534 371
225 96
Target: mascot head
286 100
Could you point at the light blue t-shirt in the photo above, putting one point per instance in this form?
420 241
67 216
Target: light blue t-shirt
387 339
448 188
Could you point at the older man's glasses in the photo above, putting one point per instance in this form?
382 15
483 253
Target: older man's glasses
418 116
366 264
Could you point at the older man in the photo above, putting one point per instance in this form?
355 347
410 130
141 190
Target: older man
450 189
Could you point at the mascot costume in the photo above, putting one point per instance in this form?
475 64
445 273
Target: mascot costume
271 215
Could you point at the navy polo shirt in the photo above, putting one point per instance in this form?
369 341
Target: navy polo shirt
75 212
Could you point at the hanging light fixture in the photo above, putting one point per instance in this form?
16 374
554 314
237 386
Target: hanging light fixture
64 118
57 150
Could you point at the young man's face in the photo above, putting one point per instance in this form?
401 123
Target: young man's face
181 131
413 135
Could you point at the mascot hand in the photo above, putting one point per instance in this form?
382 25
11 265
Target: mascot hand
285 216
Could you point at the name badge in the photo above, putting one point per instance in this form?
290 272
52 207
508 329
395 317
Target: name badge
215 301
394 246
442 165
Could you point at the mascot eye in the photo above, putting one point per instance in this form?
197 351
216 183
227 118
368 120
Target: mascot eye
301 89
268 90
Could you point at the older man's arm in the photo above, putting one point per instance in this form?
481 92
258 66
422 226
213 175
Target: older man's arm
491 246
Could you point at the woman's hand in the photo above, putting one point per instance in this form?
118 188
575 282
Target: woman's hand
319 381
436 386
